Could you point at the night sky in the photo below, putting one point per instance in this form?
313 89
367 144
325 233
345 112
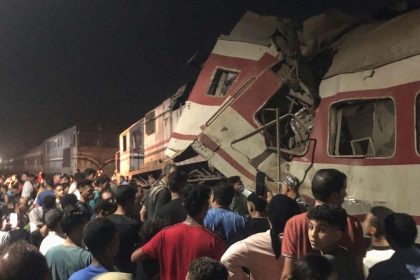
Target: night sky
110 61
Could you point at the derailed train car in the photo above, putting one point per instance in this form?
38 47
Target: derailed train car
336 93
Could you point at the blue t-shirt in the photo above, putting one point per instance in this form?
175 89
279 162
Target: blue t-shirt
231 226
43 195
88 272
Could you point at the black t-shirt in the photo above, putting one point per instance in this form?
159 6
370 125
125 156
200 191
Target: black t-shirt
128 233
172 212
256 225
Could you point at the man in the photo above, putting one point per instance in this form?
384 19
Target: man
159 194
374 227
173 212
401 233
258 221
289 186
90 174
20 260
68 258
127 227
208 269
328 186
48 191
27 186
86 195
101 238
78 177
326 226
177 246
231 226
56 234
239 202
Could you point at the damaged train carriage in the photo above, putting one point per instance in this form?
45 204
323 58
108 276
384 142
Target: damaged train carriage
339 94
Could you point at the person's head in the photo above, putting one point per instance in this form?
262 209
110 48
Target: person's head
68 199
205 268
222 195
78 176
104 208
236 183
176 181
280 209
90 173
53 219
24 176
256 204
101 238
21 260
313 268
195 199
289 186
102 182
125 196
373 224
56 179
329 186
326 226
48 202
86 190
400 230
168 169
72 222
64 179
49 182
107 194
59 191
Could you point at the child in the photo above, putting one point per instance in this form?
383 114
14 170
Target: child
326 226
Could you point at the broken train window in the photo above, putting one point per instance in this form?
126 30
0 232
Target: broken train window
221 82
362 128
150 122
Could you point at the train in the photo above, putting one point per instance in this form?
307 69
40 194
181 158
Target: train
76 148
283 98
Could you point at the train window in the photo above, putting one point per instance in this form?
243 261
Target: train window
363 128
124 140
150 122
221 82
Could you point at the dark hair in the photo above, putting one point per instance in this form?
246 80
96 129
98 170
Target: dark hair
65 176
280 209
400 230
150 228
49 181
98 234
326 182
259 202
53 218
89 171
176 181
124 194
72 218
205 268
232 180
223 194
166 169
195 198
23 261
78 176
312 268
377 220
100 180
48 202
105 206
68 199
333 215
82 183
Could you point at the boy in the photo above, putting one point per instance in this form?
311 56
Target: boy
326 226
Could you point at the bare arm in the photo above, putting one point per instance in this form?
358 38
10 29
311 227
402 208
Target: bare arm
287 268
139 255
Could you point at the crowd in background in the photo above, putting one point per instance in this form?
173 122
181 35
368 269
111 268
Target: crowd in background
89 226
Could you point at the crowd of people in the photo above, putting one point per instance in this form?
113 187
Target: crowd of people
90 226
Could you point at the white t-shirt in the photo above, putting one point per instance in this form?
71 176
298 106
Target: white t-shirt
51 240
73 189
375 255
27 189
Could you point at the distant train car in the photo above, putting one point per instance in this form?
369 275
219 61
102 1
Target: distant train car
76 148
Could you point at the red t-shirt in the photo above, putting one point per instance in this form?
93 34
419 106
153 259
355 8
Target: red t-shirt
177 246
296 244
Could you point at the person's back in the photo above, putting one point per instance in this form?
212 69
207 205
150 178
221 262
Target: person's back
65 260
401 233
172 212
177 246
